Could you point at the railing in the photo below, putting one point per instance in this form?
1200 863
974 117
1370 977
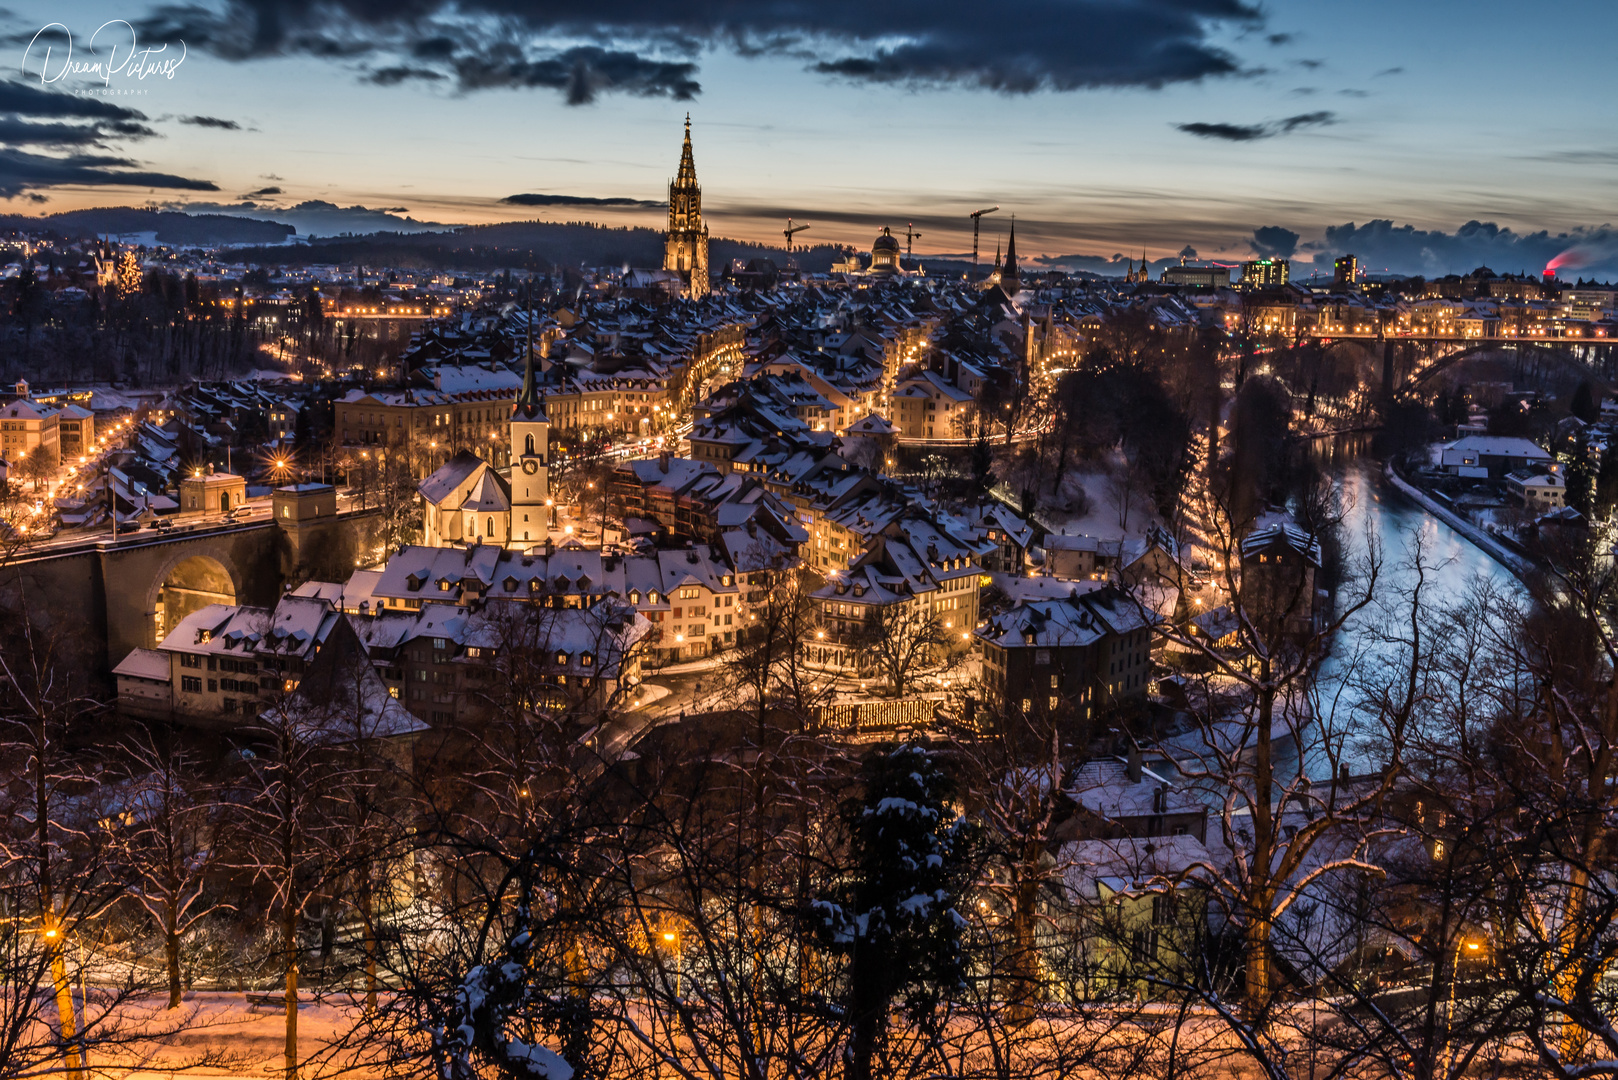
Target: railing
869 717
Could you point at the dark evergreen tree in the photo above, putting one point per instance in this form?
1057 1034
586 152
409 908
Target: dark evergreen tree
982 464
1584 405
1579 477
909 860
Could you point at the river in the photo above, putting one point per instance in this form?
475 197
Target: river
1375 512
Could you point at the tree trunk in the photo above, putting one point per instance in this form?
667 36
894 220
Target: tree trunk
64 1005
368 918
1024 990
1256 997
289 947
171 951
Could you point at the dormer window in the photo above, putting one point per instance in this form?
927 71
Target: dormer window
533 584
413 582
561 659
511 584
725 580
443 584
634 596
651 597
587 660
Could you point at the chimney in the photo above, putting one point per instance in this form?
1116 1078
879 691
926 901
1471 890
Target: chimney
1133 769
1160 799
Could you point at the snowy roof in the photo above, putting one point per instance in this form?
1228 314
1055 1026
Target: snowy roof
1103 787
449 476
144 664
1093 869
1079 620
1497 446
490 492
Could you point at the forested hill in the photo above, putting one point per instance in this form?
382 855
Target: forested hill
536 244
539 245
171 227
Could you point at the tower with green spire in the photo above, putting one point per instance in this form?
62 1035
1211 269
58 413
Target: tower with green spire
685 249
530 476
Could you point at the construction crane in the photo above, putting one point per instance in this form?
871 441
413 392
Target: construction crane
910 239
790 231
977 218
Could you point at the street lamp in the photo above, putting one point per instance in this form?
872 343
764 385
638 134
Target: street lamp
672 938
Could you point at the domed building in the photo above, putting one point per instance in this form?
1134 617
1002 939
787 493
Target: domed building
885 254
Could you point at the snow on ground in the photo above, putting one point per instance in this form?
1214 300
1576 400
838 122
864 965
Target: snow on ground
251 1038
1101 517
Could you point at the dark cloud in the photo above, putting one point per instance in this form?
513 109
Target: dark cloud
1188 252
650 48
1280 39
1389 71
262 193
21 172
1308 119
1273 242
30 101
211 122
393 76
1254 132
1310 65
1353 93
581 74
1578 157
531 199
66 127
17 132
1228 132
1408 250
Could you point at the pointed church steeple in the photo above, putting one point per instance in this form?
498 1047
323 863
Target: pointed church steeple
530 402
688 167
685 249
1008 272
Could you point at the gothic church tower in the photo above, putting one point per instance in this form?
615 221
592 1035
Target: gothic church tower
530 475
686 249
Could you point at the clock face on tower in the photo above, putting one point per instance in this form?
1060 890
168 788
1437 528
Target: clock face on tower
530 466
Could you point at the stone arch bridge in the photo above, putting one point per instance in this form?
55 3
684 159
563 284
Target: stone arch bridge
103 598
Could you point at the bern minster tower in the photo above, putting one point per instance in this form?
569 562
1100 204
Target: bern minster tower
686 249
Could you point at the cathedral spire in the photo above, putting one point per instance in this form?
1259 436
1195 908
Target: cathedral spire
688 167
685 246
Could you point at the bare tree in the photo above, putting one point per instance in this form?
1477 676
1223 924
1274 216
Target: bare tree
166 846
903 640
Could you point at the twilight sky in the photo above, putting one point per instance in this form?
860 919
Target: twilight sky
1107 126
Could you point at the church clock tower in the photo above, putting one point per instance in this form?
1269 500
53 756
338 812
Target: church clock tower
530 479
686 248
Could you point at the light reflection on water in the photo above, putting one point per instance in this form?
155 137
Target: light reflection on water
1375 512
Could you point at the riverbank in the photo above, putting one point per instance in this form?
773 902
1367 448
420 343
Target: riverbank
1517 564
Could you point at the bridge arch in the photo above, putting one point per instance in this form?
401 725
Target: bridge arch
188 580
